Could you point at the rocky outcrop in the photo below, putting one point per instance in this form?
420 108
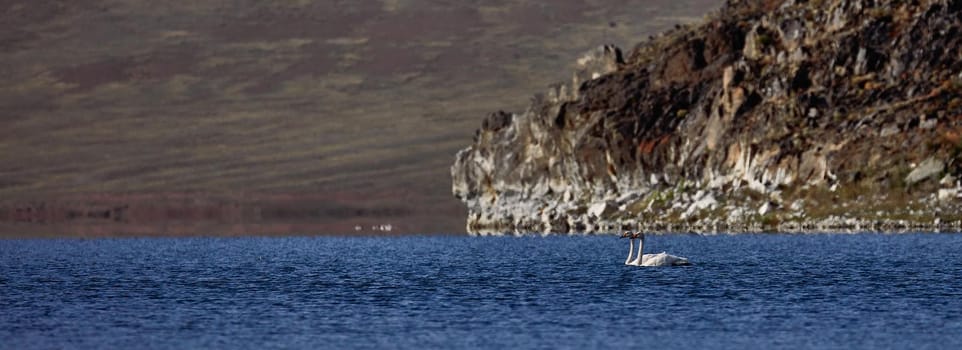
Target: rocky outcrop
769 116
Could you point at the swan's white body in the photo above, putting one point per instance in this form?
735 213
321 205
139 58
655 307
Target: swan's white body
660 259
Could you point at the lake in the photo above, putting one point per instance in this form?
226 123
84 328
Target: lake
869 291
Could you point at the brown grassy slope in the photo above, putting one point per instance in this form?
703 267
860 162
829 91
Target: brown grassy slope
281 96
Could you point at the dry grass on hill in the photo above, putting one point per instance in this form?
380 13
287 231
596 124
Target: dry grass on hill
220 96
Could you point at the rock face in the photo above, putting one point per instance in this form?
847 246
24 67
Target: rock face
769 116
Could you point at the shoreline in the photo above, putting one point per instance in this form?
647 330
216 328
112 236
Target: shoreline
834 226
176 214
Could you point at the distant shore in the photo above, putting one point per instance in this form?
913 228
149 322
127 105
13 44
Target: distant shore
218 214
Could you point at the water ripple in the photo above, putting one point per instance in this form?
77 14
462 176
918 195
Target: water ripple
746 291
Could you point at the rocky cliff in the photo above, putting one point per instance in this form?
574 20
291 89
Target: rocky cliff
768 116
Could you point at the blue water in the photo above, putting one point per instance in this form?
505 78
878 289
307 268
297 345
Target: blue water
746 291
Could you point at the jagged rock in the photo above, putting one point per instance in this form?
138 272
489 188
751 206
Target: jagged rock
764 209
700 203
601 210
928 168
947 180
766 103
946 194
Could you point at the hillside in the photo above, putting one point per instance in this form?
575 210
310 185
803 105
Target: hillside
357 106
767 116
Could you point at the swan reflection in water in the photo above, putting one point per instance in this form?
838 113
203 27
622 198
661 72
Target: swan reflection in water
660 259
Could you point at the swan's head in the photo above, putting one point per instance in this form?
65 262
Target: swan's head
639 235
627 234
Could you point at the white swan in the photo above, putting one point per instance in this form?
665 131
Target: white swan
631 246
660 259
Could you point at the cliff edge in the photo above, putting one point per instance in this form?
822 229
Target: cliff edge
768 116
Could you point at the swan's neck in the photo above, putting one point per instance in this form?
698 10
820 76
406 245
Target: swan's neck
631 249
641 249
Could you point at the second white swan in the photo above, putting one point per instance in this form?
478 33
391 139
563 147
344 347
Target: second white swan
660 259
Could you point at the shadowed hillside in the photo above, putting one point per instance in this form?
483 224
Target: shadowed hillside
351 102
